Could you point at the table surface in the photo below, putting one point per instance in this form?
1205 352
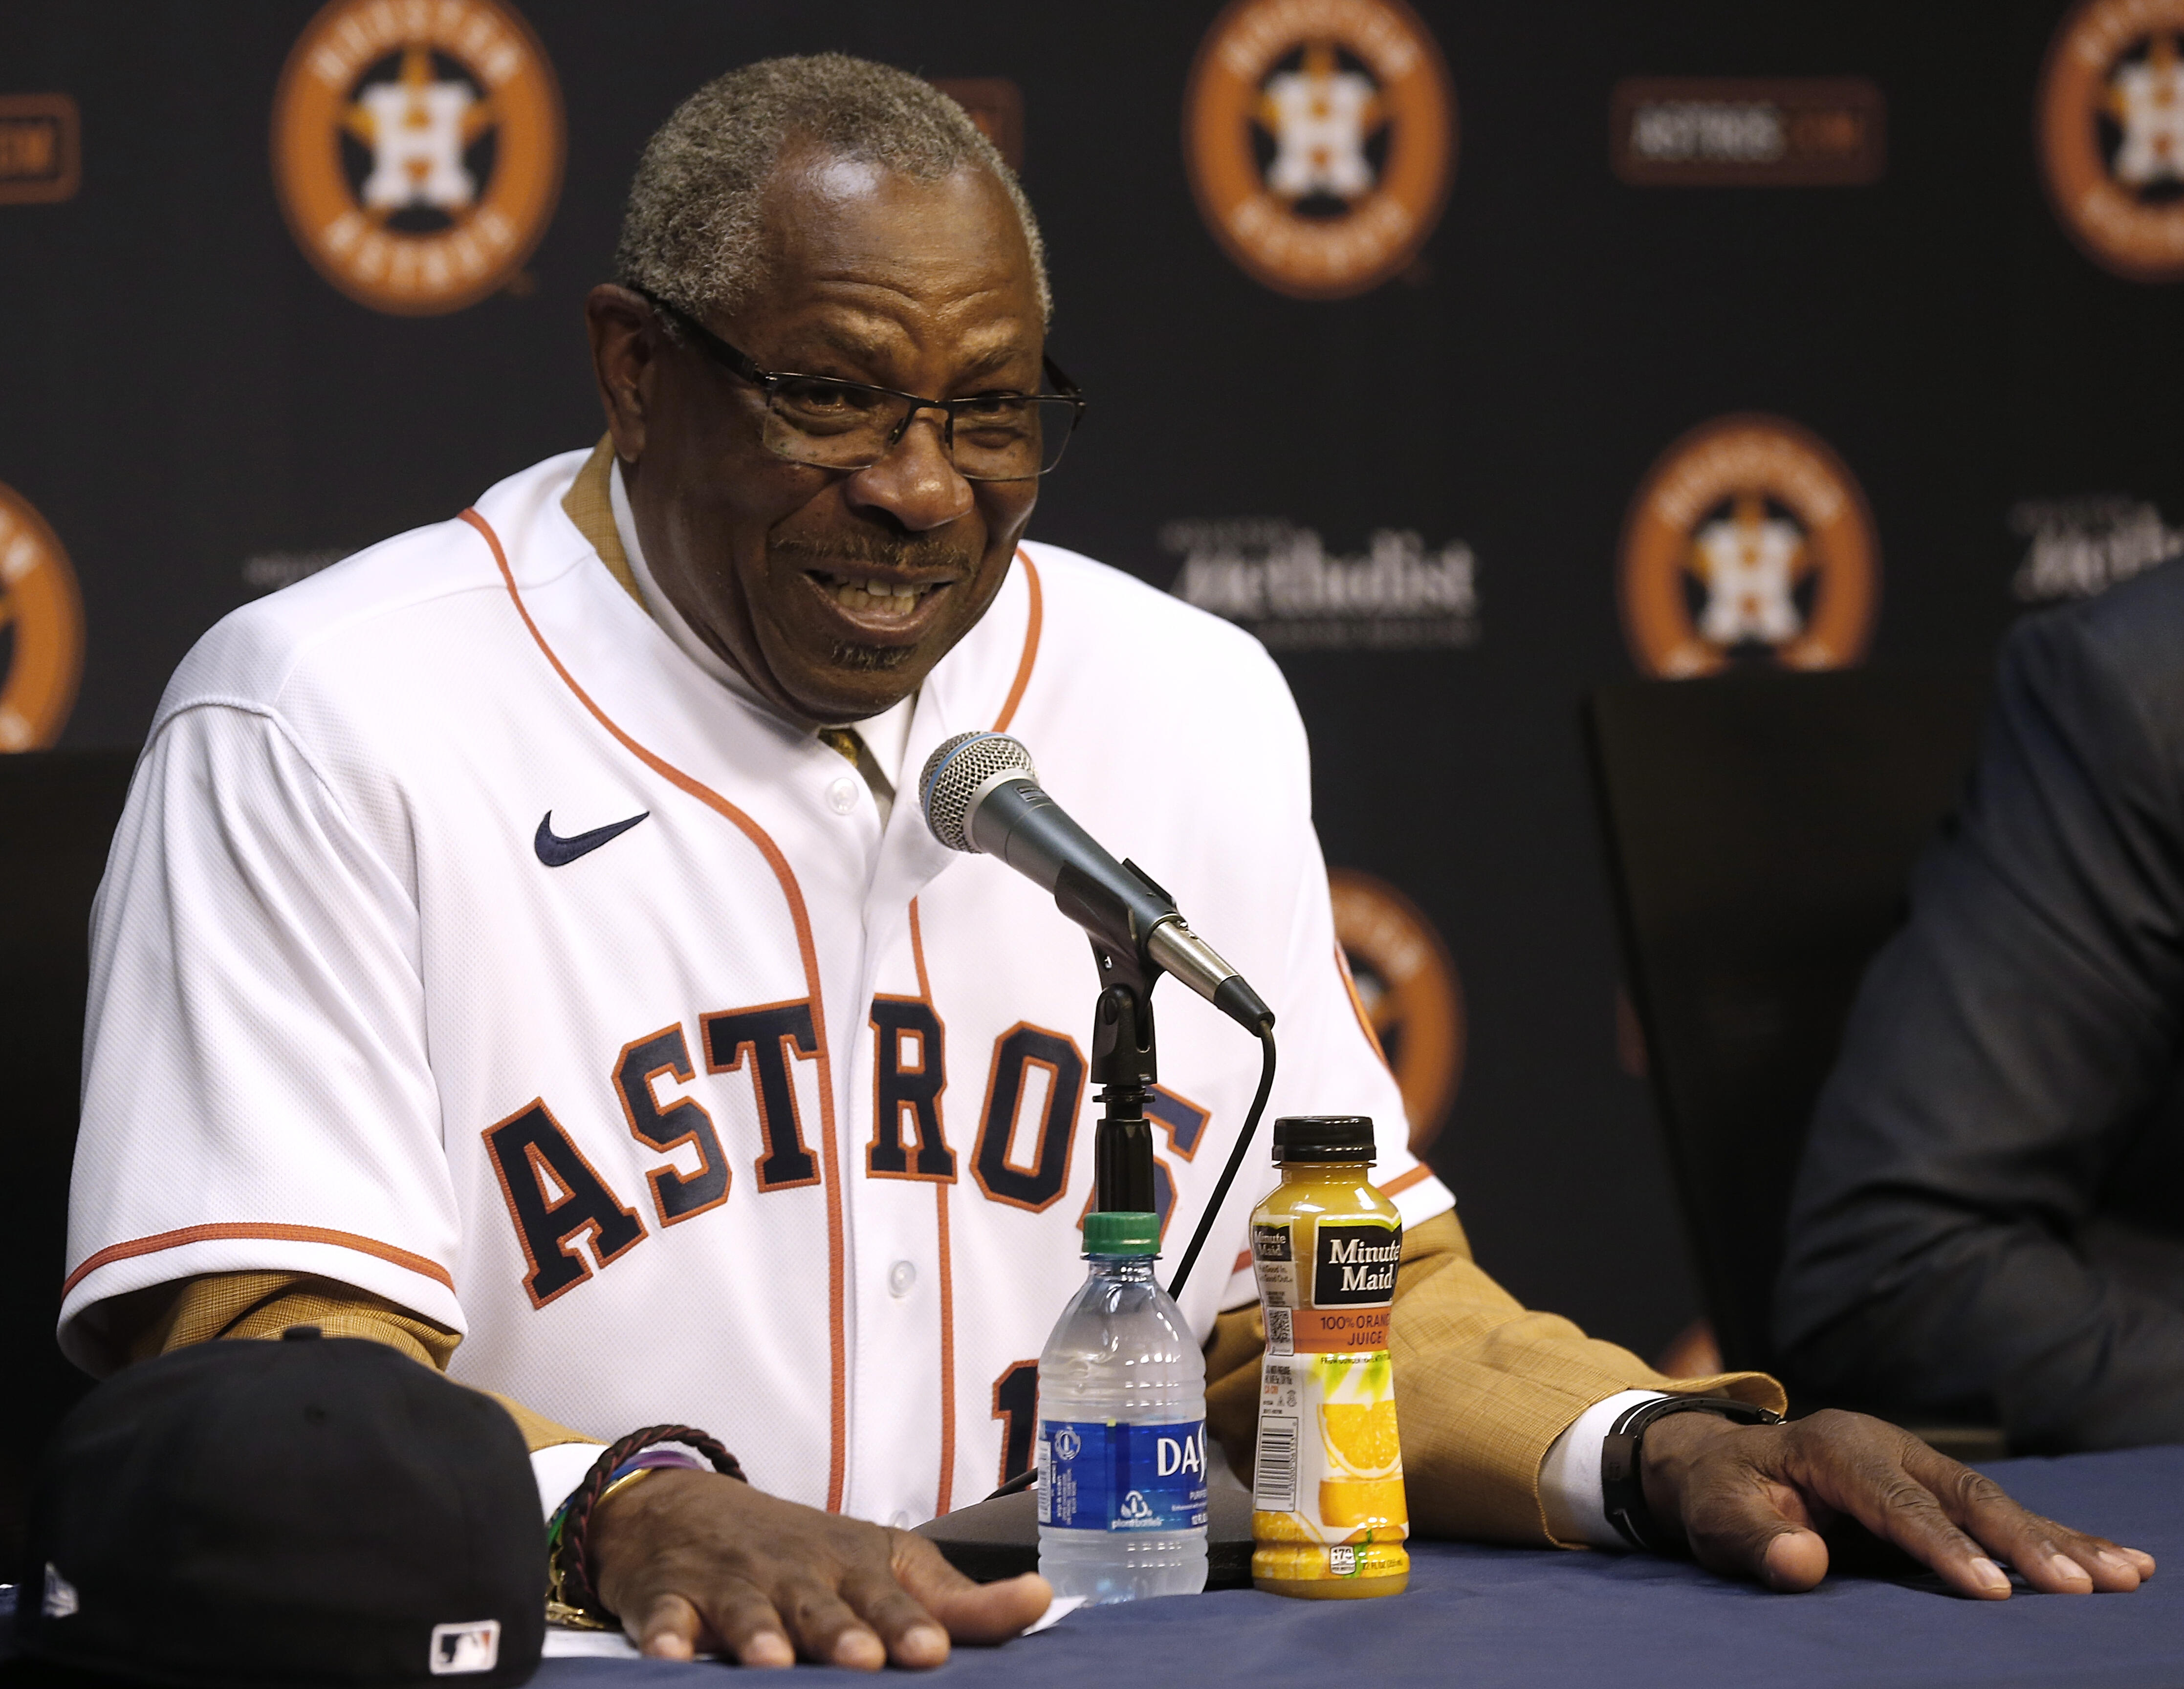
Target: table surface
1523 1618
1512 1618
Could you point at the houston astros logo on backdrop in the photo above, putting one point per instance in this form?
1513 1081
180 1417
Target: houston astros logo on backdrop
41 628
2111 134
417 149
1405 990
1750 541
1320 137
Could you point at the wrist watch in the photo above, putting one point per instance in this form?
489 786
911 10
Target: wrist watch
1622 1483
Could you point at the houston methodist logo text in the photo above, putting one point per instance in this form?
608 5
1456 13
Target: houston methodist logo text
417 149
41 628
1320 137
2111 134
1280 581
1749 540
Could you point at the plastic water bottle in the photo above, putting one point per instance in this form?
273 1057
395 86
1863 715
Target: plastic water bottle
1122 1430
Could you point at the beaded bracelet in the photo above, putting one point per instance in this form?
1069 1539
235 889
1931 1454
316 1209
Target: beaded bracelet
572 1598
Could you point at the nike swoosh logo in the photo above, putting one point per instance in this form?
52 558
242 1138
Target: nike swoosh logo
556 852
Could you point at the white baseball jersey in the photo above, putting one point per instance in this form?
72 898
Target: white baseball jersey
464 942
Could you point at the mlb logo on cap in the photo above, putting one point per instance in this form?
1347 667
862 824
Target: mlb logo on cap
460 1648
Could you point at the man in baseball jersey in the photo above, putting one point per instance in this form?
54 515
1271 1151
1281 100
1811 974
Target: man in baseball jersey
521 947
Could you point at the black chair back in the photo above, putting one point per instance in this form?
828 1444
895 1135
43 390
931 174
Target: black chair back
57 814
1761 830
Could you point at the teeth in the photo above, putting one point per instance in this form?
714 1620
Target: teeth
877 595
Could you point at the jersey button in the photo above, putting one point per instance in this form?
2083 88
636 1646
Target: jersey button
842 796
900 1277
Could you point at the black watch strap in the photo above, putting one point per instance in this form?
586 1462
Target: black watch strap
1622 1486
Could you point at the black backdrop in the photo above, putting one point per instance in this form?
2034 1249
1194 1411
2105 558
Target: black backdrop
184 394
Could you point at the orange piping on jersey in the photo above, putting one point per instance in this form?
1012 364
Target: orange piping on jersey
917 953
1403 1182
250 1228
947 1270
1032 617
1243 1263
1357 1007
947 1354
793 894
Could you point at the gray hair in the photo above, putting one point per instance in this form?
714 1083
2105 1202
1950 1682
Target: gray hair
692 231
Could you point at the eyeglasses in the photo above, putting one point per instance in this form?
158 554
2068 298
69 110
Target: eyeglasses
835 425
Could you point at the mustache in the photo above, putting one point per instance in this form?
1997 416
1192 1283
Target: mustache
907 552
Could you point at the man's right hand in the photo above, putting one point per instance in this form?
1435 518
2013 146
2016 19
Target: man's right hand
694 1561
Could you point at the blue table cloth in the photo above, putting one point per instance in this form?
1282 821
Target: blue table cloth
1514 1619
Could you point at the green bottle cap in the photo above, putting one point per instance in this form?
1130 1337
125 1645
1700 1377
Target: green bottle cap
1124 1233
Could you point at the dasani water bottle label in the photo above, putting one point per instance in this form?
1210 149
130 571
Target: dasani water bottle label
1097 1476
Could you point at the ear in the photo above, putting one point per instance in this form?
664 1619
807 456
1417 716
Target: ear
625 342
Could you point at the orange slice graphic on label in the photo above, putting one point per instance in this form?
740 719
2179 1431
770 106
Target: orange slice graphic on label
1361 1438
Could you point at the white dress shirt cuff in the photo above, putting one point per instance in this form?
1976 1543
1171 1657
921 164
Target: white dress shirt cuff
560 1468
1570 1477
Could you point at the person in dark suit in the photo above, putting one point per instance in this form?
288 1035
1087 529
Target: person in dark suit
1989 1220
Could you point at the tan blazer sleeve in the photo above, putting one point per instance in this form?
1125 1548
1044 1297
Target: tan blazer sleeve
1483 1388
175 1316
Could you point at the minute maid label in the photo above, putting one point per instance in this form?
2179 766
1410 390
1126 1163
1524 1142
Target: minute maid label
1354 1265
1327 1482
1338 1303
1093 1476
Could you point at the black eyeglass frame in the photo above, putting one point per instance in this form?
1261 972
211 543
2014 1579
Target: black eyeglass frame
743 365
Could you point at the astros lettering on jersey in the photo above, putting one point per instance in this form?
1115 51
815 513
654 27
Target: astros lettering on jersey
745 1111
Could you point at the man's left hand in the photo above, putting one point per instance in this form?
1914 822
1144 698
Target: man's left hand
1753 1500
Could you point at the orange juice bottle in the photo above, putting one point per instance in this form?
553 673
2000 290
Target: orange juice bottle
1329 1518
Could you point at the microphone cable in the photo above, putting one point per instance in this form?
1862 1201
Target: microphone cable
1266 1032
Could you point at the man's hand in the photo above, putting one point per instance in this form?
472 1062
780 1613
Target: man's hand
692 1560
1752 1501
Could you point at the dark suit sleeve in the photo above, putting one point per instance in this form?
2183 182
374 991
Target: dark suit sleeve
2007 1095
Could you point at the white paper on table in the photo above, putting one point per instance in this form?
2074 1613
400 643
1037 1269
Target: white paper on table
566 1642
1056 1610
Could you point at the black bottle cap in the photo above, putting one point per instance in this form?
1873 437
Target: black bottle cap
1323 1137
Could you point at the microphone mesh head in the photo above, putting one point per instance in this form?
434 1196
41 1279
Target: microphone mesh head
958 768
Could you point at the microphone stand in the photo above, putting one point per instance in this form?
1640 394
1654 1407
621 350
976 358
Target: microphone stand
1125 1061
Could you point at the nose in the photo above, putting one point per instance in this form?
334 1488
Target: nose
915 483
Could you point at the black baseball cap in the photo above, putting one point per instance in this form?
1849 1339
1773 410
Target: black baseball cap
317 1511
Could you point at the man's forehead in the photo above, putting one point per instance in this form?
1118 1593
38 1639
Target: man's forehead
866 261
829 176
854 220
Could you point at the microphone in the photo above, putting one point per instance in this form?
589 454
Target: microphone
980 793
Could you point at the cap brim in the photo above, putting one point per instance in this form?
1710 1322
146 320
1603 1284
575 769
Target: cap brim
24 1671
21 1671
